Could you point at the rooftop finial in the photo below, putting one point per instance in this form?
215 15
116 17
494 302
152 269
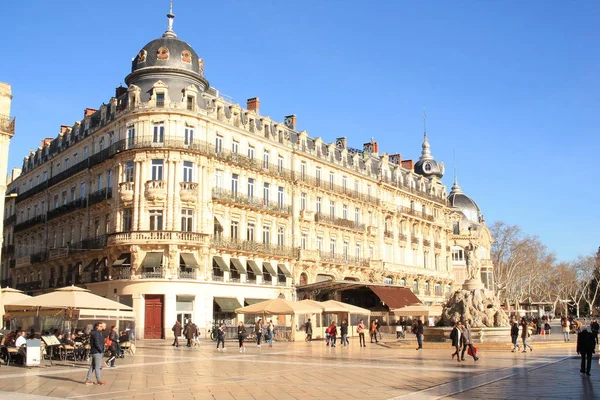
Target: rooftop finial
170 18
424 123
455 187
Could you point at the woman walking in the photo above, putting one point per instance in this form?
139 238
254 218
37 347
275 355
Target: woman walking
455 336
564 323
525 333
221 336
373 331
111 342
360 329
270 333
241 331
258 331
467 342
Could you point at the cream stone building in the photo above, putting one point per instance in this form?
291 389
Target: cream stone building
182 204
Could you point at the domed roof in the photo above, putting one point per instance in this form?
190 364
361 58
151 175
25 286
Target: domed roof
427 166
464 203
168 51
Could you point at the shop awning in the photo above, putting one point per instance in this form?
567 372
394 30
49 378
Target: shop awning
255 268
269 267
395 297
253 301
189 260
228 304
239 266
91 264
221 263
124 260
152 260
284 270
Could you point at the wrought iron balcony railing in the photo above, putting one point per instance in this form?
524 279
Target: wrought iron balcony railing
254 247
341 222
227 196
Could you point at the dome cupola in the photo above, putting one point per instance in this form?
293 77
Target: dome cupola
464 203
427 166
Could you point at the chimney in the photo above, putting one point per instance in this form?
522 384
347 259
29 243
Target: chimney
408 164
253 104
64 129
120 91
371 147
290 121
88 111
46 141
341 143
396 158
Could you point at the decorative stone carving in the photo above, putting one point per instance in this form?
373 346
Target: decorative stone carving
479 305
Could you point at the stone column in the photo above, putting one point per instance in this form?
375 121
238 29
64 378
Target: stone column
7 131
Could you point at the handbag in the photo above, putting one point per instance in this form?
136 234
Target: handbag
472 353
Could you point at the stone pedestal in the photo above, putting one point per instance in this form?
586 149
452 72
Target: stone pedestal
473 284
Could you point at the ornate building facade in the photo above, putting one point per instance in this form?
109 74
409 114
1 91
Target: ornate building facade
180 203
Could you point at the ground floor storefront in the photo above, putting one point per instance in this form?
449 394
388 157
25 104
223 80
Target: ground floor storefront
158 304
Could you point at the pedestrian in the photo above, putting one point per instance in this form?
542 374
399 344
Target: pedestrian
270 333
595 327
328 335
112 341
189 332
360 329
467 341
258 331
564 323
377 328
241 332
97 352
514 334
373 331
344 333
455 336
176 332
419 334
547 327
221 336
586 345
308 330
332 333
525 334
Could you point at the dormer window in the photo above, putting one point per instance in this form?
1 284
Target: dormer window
186 57
190 103
160 99
162 53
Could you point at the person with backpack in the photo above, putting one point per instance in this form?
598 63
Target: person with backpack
241 332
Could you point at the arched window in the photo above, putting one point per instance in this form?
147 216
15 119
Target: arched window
415 286
402 282
162 53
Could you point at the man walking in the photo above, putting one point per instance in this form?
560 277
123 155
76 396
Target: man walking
586 345
467 342
177 332
308 330
419 333
190 332
344 333
595 327
97 352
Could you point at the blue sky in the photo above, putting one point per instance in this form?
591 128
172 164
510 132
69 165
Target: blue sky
512 87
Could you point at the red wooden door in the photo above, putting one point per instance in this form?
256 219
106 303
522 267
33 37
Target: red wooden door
153 327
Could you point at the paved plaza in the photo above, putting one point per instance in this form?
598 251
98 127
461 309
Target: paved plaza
311 370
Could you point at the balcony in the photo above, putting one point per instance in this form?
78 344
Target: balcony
155 237
218 278
407 188
228 197
40 219
188 191
426 243
10 220
339 222
437 245
307 215
156 190
402 237
58 253
415 240
23 261
183 274
157 273
415 213
29 286
7 125
99 196
126 191
372 230
65 209
335 258
251 246
121 273
388 234
332 187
